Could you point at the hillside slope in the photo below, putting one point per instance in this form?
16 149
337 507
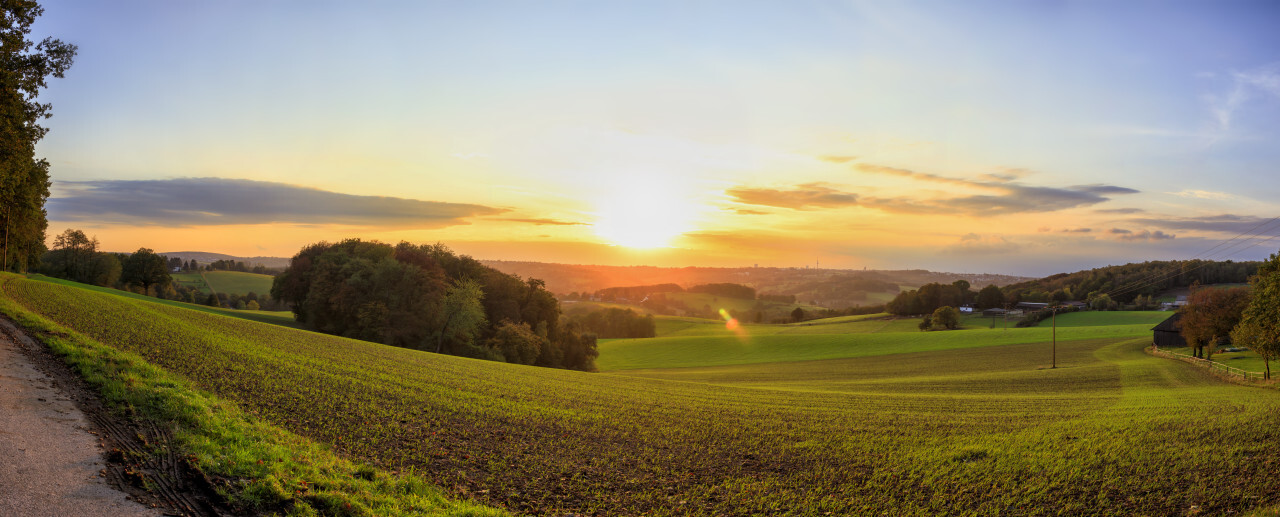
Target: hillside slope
984 428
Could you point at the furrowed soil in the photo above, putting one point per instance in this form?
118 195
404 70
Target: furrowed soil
813 424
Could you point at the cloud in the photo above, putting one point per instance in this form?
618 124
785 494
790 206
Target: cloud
837 159
541 221
219 201
1226 223
803 197
1203 194
1261 81
976 244
748 211
1076 230
1120 211
1147 235
1119 231
1006 198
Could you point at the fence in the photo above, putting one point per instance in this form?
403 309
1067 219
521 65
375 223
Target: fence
1214 367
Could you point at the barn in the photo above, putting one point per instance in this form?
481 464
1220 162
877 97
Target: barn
1167 333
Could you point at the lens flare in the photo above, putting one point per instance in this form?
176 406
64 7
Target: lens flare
731 324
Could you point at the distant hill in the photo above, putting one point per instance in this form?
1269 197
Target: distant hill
205 257
805 283
1124 283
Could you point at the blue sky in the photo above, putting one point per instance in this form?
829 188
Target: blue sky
975 136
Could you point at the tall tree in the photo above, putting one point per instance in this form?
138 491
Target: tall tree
1259 327
144 268
462 314
1210 315
24 180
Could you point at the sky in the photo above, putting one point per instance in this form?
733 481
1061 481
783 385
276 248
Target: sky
989 137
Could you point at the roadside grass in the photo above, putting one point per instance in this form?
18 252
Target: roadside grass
239 282
921 429
284 318
268 470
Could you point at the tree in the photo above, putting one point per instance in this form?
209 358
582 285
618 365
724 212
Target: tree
144 268
1210 315
797 315
461 314
1259 327
989 297
946 317
24 180
518 343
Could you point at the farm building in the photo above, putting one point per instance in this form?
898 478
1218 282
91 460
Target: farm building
1167 334
993 312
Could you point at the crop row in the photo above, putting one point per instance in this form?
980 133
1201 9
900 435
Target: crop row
971 429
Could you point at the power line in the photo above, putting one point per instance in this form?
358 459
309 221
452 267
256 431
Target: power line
1252 234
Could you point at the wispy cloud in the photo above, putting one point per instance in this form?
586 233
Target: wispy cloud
1120 211
837 159
218 201
1146 235
1007 198
1245 85
803 197
979 244
1203 194
541 221
1226 223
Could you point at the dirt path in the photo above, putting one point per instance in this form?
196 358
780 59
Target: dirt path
50 464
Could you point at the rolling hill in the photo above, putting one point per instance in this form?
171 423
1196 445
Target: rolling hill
849 416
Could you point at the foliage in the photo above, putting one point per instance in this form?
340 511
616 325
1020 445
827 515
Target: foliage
797 315
636 293
145 269
614 322
1259 327
945 318
727 290
990 297
1210 315
461 316
517 343
927 298
25 67
417 296
980 427
1129 281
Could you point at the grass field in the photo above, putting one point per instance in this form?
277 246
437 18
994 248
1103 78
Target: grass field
284 318
191 280
236 282
878 422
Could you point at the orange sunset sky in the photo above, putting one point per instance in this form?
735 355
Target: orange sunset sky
1022 138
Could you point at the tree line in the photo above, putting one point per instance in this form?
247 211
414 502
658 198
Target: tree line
1130 281
613 323
428 298
75 256
1243 316
25 67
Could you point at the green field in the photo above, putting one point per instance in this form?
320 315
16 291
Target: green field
273 317
875 421
191 280
236 282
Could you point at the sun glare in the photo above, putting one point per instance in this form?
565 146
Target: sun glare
643 212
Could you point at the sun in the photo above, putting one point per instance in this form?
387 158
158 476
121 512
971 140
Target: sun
641 211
